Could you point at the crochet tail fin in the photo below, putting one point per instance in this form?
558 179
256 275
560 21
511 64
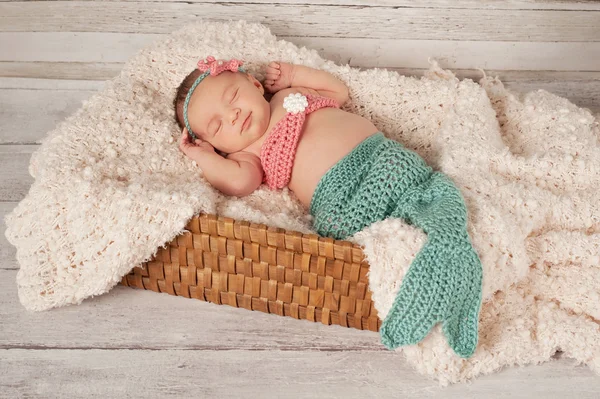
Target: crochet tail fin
446 290
443 283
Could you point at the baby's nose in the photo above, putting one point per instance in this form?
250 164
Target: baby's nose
234 115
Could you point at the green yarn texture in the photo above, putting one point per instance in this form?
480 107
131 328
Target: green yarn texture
381 178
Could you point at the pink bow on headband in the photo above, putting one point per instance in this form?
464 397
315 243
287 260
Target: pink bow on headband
217 66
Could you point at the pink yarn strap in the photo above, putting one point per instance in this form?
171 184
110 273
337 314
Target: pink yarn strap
279 149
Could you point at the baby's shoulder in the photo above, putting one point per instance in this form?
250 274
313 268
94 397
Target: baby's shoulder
277 99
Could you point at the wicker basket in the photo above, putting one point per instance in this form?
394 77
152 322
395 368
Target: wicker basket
263 268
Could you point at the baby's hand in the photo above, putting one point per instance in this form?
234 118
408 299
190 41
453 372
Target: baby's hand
193 150
280 75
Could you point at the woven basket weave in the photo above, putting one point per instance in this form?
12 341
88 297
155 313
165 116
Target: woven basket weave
256 267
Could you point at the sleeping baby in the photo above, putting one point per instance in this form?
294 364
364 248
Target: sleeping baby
289 131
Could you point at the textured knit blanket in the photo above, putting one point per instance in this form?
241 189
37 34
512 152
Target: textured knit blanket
111 187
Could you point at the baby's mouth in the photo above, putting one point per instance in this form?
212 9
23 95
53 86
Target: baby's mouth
246 122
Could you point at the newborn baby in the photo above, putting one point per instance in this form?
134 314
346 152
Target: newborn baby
291 132
229 113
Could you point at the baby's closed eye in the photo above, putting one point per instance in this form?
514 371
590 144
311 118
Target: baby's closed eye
234 97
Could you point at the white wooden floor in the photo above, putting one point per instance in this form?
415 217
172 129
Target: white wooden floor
132 343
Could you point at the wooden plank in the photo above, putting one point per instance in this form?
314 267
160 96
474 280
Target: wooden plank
121 317
581 88
43 82
14 176
381 22
591 5
367 53
88 47
8 253
267 374
30 108
26 115
458 54
60 70
233 352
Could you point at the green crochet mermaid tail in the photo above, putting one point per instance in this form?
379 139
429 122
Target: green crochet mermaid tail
380 178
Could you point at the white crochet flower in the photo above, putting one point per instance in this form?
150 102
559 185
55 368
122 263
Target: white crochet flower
295 103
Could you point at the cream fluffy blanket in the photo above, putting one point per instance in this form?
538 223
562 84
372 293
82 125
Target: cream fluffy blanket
111 187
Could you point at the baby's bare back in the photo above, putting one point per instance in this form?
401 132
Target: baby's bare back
328 135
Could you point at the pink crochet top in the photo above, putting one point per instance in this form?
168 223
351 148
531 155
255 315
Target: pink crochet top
279 149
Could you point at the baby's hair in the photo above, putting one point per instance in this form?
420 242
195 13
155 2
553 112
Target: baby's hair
182 92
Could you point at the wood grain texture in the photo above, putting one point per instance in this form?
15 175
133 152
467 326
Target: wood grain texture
29 113
264 374
347 21
73 47
196 325
14 176
210 350
361 52
59 70
546 56
591 5
8 253
123 373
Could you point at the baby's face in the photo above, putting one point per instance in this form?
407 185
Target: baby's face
221 104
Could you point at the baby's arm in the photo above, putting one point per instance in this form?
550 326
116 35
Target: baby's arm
239 174
321 81
281 75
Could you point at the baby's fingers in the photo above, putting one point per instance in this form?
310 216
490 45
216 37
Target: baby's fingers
273 75
184 138
184 142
